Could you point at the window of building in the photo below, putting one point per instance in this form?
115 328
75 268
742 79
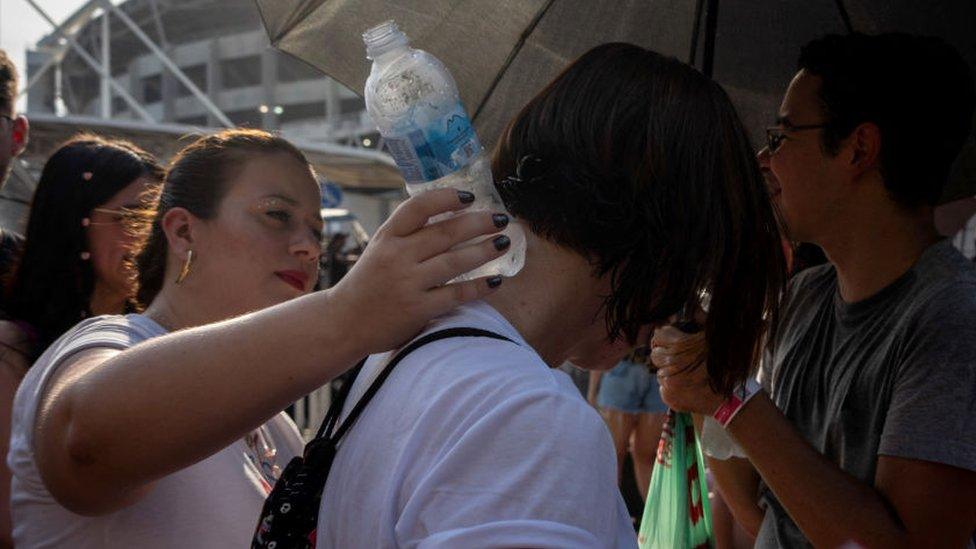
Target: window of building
302 111
152 88
119 105
198 75
241 72
351 104
293 70
249 118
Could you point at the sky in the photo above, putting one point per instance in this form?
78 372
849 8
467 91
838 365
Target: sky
21 26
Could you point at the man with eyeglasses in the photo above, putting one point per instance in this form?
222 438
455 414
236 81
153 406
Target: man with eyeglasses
864 431
13 141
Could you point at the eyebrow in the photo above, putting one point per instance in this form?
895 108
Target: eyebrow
288 199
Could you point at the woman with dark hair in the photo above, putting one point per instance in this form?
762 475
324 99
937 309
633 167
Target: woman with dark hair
639 190
163 428
74 262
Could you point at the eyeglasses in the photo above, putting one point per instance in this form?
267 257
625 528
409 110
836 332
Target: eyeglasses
118 216
775 135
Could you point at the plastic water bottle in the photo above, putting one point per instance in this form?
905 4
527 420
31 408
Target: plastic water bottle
414 102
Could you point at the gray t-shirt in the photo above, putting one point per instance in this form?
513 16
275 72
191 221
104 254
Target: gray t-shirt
894 374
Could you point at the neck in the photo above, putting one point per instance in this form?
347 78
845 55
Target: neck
105 301
551 301
174 309
874 247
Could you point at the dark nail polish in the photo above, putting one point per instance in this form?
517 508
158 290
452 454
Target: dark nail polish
494 281
500 220
465 197
501 242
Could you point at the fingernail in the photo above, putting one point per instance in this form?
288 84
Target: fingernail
500 220
465 197
501 242
494 281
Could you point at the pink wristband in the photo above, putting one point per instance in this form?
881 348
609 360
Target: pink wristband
739 397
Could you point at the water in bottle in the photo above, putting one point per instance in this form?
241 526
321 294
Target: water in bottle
414 102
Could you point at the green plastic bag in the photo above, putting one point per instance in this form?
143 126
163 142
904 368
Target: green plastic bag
677 514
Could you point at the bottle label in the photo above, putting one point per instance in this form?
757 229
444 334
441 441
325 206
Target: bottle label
441 148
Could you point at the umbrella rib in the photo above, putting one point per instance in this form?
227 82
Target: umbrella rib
695 31
295 18
511 57
844 16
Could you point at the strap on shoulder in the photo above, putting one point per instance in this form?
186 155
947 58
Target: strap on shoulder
336 408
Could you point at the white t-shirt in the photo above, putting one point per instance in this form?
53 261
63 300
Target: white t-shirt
214 503
474 442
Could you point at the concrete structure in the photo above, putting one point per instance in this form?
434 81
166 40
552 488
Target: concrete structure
191 66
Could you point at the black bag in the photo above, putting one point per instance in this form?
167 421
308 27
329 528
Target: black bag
290 514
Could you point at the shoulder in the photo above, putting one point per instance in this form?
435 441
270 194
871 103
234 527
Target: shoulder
489 382
93 336
472 364
810 281
941 302
117 331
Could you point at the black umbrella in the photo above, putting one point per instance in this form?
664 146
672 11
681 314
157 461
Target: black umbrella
502 52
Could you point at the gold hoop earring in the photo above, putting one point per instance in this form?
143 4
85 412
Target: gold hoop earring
186 268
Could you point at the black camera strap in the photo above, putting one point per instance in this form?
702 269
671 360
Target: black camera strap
290 514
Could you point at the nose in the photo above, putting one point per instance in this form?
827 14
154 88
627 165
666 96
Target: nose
305 246
763 157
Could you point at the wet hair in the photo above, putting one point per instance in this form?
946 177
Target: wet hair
645 170
197 180
8 83
917 90
52 285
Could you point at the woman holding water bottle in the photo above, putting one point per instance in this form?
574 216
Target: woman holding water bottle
162 429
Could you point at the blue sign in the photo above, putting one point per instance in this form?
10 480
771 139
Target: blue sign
331 195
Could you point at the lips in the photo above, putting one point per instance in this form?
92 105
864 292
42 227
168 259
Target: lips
295 279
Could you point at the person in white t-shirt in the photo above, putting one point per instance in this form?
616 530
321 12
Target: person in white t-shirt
636 182
163 429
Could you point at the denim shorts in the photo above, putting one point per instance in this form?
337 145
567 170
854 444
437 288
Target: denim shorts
630 388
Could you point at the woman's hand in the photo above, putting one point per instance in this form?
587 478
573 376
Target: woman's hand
680 360
400 282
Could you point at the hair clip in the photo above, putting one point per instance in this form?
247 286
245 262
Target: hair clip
85 222
530 167
85 256
86 176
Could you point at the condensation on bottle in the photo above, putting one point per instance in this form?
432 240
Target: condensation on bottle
414 102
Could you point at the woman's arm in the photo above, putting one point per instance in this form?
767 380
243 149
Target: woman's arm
112 422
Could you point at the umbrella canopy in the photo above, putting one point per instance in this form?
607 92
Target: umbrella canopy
501 52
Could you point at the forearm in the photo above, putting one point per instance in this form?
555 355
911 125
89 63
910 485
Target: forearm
164 405
830 506
738 483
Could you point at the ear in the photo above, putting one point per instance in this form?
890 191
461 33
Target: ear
865 147
178 225
20 135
